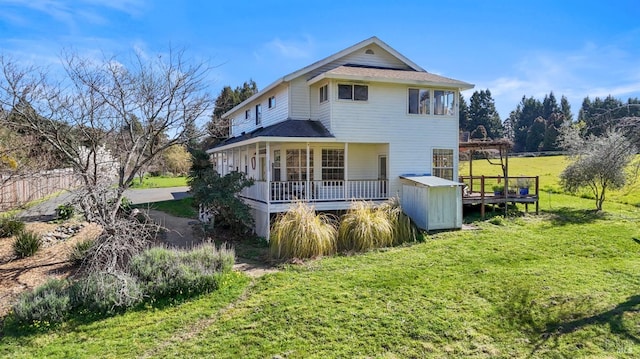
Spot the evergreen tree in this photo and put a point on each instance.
(549, 106)
(553, 125)
(535, 135)
(529, 110)
(463, 115)
(228, 98)
(482, 112)
(565, 108)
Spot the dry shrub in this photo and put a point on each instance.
(364, 227)
(404, 229)
(117, 244)
(301, 233)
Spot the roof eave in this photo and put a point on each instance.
(357, 78)
(270, 139)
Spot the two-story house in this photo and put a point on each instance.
(346, 127)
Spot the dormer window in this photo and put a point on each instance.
(353, 92)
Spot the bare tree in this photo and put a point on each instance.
(599, 163)
(107, 119)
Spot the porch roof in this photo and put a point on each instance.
(287, 128)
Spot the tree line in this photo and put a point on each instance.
(534, 125)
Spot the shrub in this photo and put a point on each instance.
(49, 302)
(10, 227)
(80, 250)
(106, 292)
(65, 211)
(364, 227)
(404, 229)
(497, 220)
(300, 233)
(26, 244)
(164, 272)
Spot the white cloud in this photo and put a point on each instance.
(593, 70)
(292, 49)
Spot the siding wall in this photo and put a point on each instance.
(269, 116)
(384, 119)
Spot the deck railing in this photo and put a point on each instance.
(325, 190)
(494, 186)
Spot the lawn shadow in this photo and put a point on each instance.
(565, 215)
(614, 318)
(544, 321)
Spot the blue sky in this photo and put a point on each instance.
(513, 48)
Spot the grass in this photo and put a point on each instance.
(175, 207)
(549, 169)
(562, 284)
(159, 182)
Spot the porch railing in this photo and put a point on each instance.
(326, 190)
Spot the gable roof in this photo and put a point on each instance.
(287, 128)
(354, 72)
(325, 61)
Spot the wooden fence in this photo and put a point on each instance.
(19, 190)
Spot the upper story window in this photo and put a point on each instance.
(324, 93)
(272, 102)
(353, 92)
(419, 101)
(427, 101)
(443, 102)
(246, 115)
(258, 114)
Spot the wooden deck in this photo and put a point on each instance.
(480, 190)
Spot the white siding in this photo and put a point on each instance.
(384, 119)
(379, 58)
(299, 108)
(362, 162)
(269, 116)
(320, 111)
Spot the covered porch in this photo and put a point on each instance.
(318, 170)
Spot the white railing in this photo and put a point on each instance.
(317, 191)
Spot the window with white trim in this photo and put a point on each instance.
(419, 101)
(324, 93)
(258, 114)
(272, 102)
(442, 165)
(333, 164)
(297, 164)
(353, 92)
(276, 166)
(443, 102)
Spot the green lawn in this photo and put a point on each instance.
(562, 284)
(549, 169)
(175, 207)
(159, 182)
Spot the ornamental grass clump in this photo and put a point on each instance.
(27, 244)
(10, 226)
(403, 229)
(364, 227)
(301, 233)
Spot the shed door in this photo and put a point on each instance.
(442, 208)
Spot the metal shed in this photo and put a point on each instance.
(432, 202)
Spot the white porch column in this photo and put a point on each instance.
(308, 184)
(346, 170)
(256, 160)
(268, 179)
